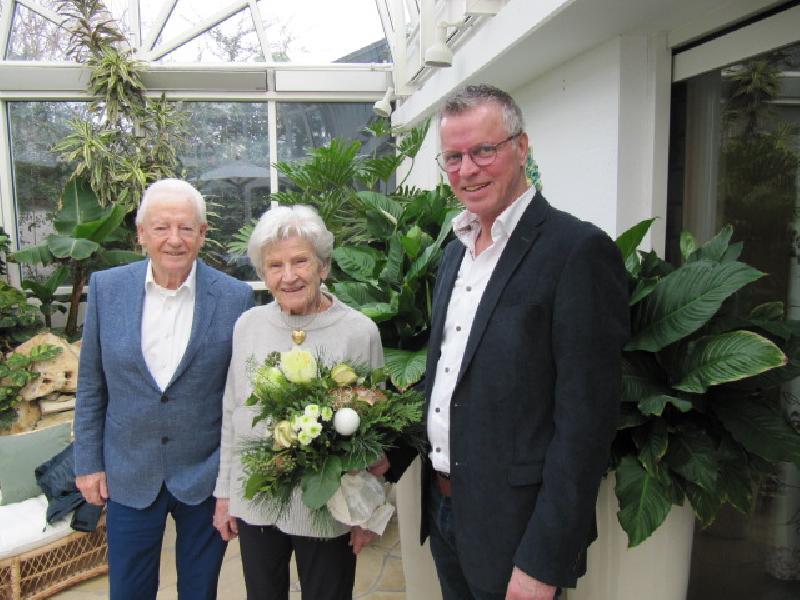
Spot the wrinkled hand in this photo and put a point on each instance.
(522, 586)
(360, 538)
(93, 487)
(223, 521)
(380, 466)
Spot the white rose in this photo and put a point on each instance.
(346, 421)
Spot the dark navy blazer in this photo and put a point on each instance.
(537, 399)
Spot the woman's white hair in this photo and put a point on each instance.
(282, 222)
(178, 189)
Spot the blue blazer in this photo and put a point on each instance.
(124, 424)
(537, 399)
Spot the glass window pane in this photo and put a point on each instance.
(35, 38)
(233, 40)
(227, 159)
(735, 158)
(39, 176)
(306, 125)
(320, 31)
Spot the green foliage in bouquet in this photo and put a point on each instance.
(701, 416)
(321, 423)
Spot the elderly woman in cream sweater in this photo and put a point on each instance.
(291, 250)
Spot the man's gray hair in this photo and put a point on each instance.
(177, 189)
(472, 96)
(283, 222)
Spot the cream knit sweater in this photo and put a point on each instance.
(337, 334)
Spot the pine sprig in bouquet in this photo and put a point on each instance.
(321, 424)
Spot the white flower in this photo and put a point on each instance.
(299, 366)
(304, 438)
(313, 430)
(346, 421)
(312, 410)
(326, 413)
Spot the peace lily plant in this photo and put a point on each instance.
(701, 416)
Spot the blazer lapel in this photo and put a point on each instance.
(205, 303)
(520, 242)
(135, 301)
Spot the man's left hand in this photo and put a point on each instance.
(522, 586)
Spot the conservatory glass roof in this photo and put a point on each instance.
(314, 32)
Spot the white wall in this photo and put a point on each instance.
(571, 114)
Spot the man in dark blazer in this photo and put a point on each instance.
(523, 376)
(154, 357)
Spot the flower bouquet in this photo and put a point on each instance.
(322, 424)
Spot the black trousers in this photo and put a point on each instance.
(326, 567)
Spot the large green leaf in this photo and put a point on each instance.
(693, 456)
(389, 209)
(48, 288)
(644, 500)
(114, 258)
(99, 230)
(705, 503)
(759, 427)
(319, 486)
(405, 367)
(736, 484)
(359, 262)
(63, 246)
(685, 300)
(355, 293)
(768, 311)
(651, 441)
(726, 357)
(34, 255)
(629, 241)
(715, 248)
(379, 311)
(392, 272)
(644, 287)
(78, 205)
(655, 405)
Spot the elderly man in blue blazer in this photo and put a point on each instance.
(154, 357)
(523, 379)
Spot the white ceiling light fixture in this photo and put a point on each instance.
(383, 107)
(439, 53)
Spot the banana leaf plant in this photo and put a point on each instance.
(701, 415)
(82, 228)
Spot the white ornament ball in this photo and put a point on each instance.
(346, 421)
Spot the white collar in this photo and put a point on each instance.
(466, 225)
(188, 283)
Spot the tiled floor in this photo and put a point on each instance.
(379, 574)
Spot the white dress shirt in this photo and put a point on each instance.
(473, 276)
(166, 325)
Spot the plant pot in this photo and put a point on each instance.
(657, 569)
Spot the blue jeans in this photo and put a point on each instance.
(134, 548)
(452, 580)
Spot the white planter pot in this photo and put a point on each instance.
(657, 569)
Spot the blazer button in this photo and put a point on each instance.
(164, 398)
(164, 440)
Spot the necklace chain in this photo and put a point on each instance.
(299, 333)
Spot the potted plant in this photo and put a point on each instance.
(701, 420)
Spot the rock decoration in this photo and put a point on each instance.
(50, 398)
